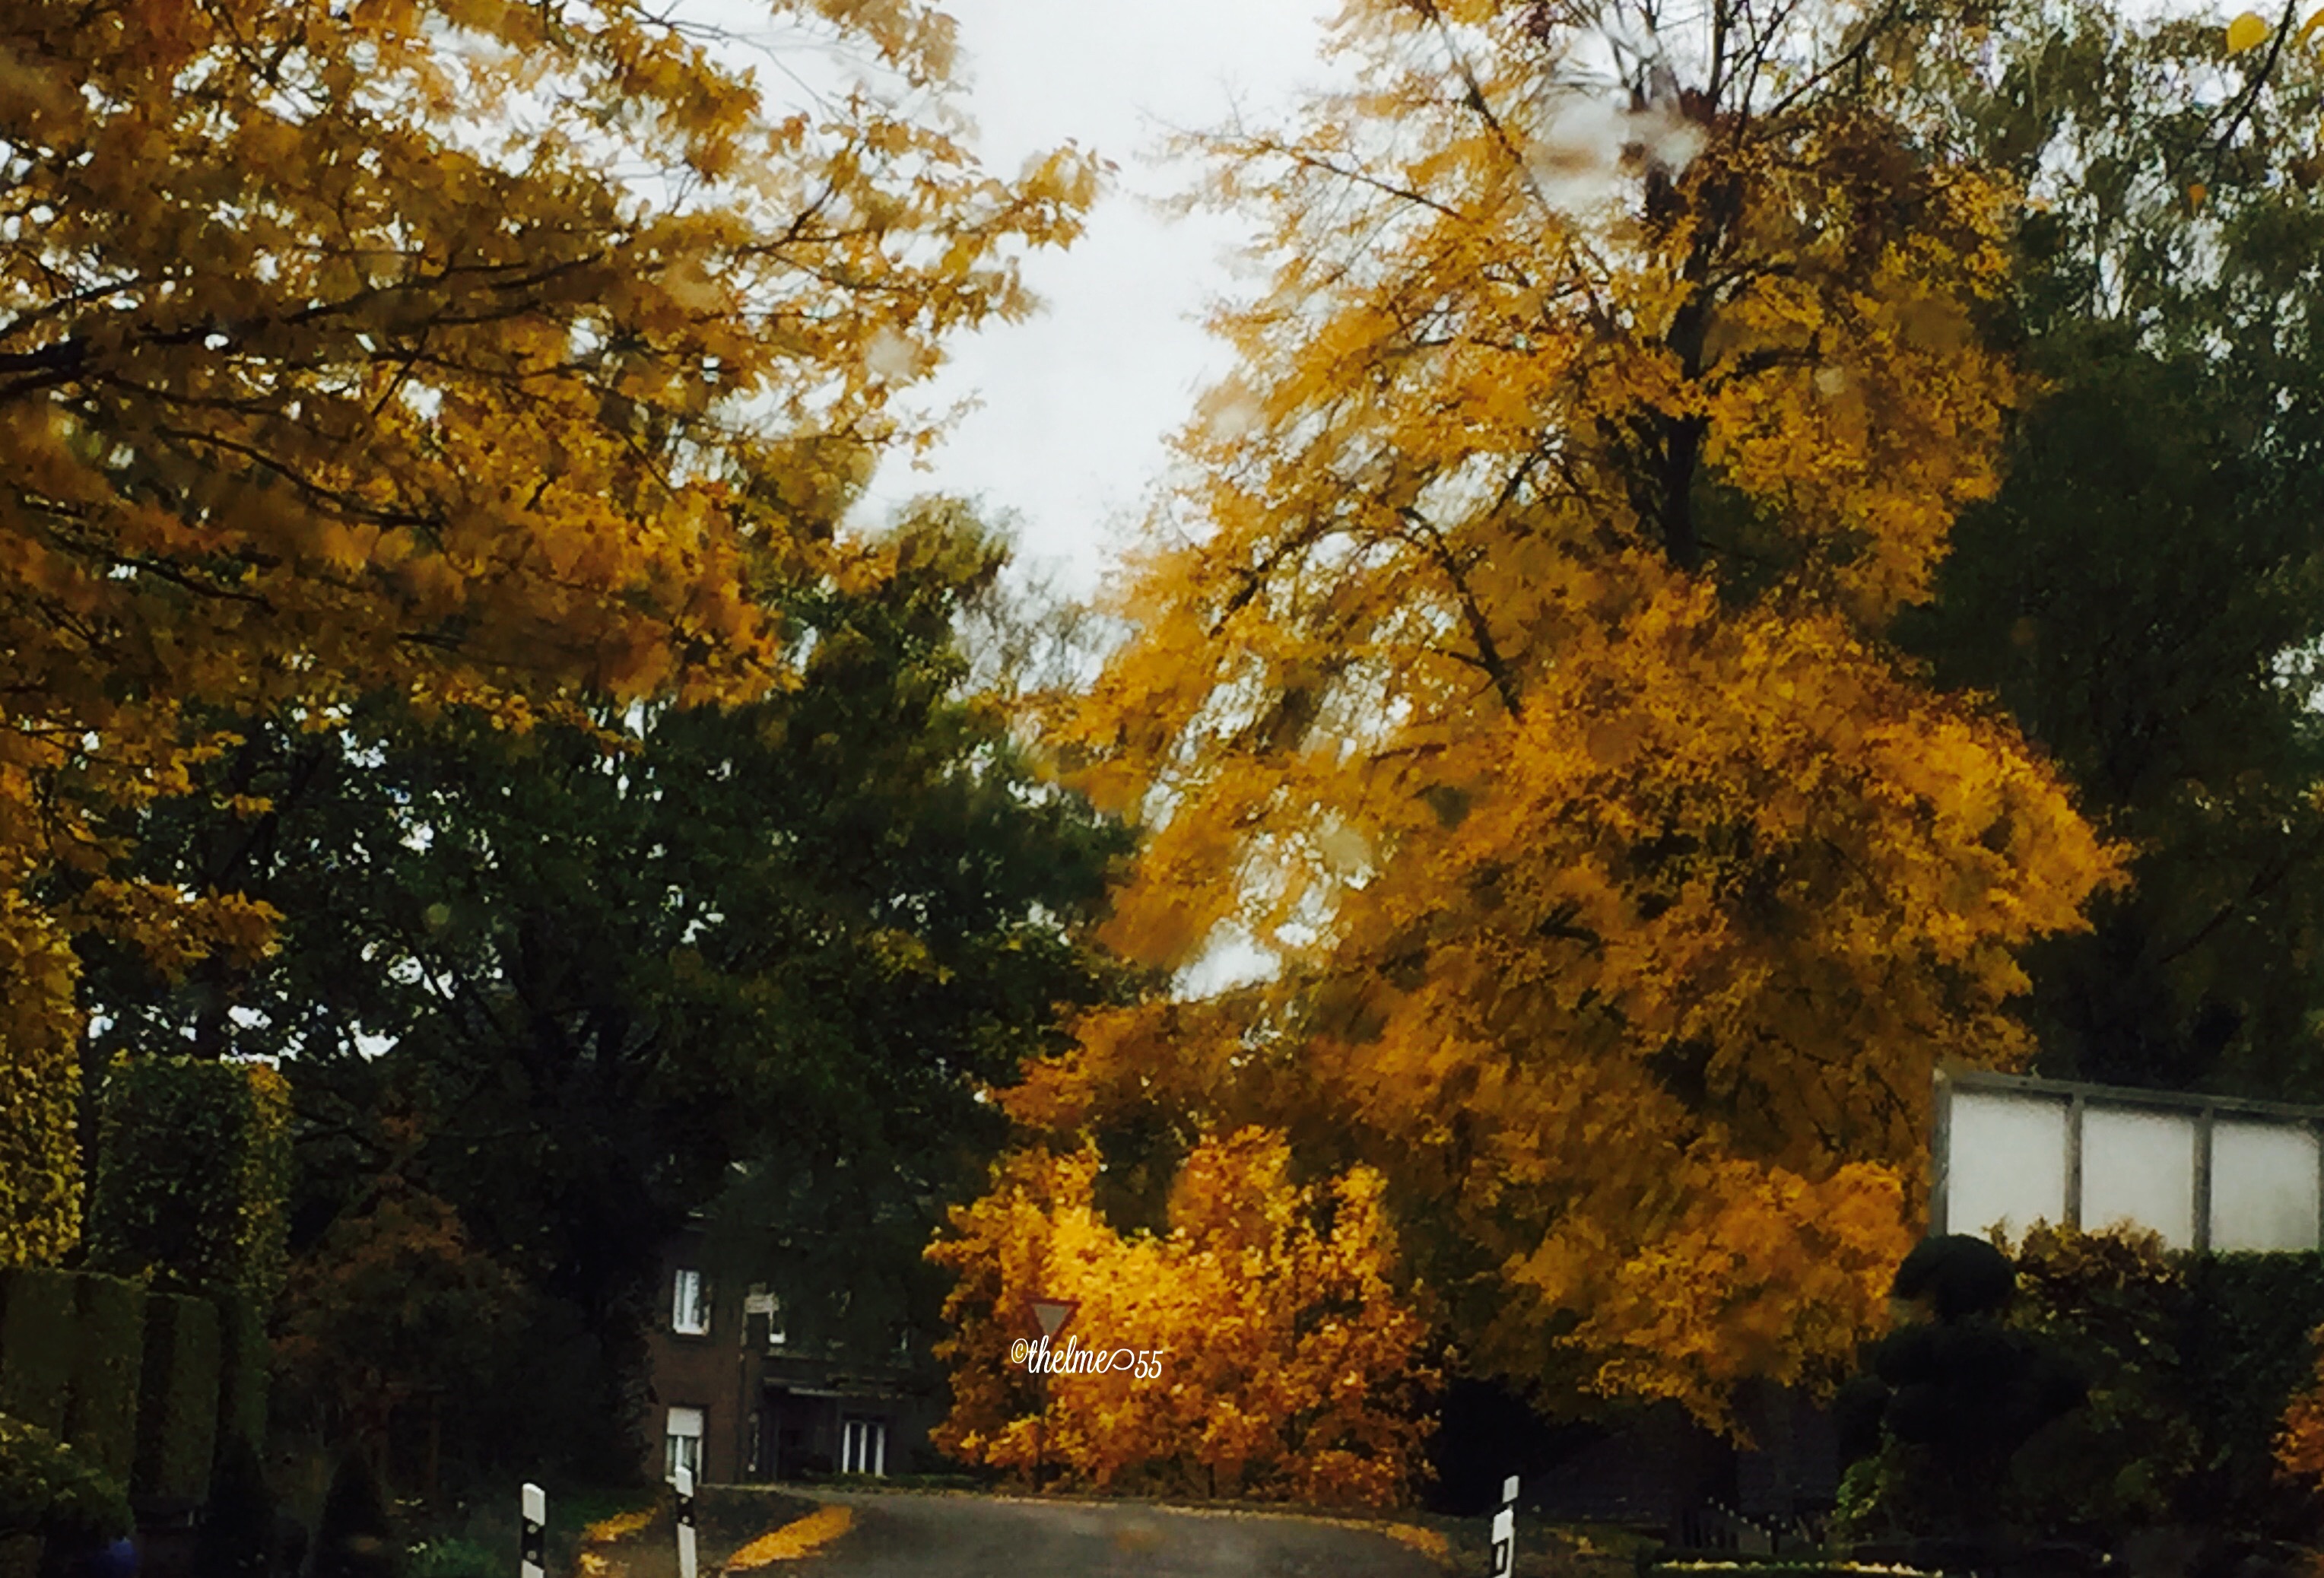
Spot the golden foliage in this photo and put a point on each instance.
(1524, 690)
(1289, 1367)
(2300, 1444)
(473, 350)
(40, 1081)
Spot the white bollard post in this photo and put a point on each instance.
(534, 1508)
(685, 1481)
(1504, 1530)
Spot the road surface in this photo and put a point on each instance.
(902, 1535)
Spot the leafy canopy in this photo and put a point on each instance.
(473, 352)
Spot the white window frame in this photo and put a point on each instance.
(681, 1440)
(689, 1304)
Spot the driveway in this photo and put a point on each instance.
(904, 1535)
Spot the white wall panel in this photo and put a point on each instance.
(2264, 1186)
(2005, 1163)
(2139, 1166)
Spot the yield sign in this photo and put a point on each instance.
(1053, 1313)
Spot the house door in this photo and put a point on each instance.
(801, 1434)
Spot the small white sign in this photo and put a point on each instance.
(1505, 1540)
(1509, 1491)
(534, 1506)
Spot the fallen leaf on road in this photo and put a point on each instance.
(614, 1529)
(1427, 1541)
(796, 1539)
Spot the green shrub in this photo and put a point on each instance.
(2189, 1360)
(2116, 1306)
(2247, 1355)
(177, 1398)
(193, 1167)
(49, 1490)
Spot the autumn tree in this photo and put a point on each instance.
(1516, 671)
(396, 1311)
(1284, 1364)
(473, 353)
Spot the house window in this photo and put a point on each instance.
(681, 1442)
(690, 1312)
(863, 1447)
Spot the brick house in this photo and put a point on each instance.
(734, 1394)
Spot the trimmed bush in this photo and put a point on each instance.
(108, 1362)
(193, 1167)
(238, 1535)
(177, 1399)
(355, 1539)
(244, 1358)
(37, 1336)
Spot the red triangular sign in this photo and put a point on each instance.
(1053, 1314)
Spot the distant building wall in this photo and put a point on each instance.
(722, 1370)
(703, 1374)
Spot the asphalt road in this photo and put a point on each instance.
(907, 1536)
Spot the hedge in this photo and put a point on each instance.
(2244, 1353)
(244, 1357)
(193, 1167)
(71, 1356)
(178, 1399)
(109, 1364)
(39, 1333)
(2190, 1362)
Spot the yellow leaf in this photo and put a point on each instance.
(2246, 32)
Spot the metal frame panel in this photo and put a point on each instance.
(2077, 1098)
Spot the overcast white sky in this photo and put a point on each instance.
(1079, 401)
